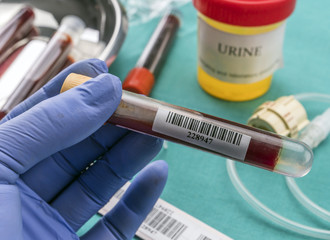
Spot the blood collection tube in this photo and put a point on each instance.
(20, 25)
(17, 65)
(50, 61)
(202, 131)
(142, 77)
(7, 59)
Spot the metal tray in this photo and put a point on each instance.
(106, 16)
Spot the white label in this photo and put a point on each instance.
(166, 222)
(202, 131)
(8, 11)
(16, 72)
(239, 58)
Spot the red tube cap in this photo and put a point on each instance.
(139, 80)
(246, 12)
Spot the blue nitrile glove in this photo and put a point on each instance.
(46, 144)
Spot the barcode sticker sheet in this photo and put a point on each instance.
(201, 131)
(166, 222)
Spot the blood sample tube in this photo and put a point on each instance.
(48, 63)
(209, 133)
(8, 56)
(7, 59)
(16, 28)
(17, 65)
(142, 77)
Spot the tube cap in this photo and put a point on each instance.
(285, 116)
(246, 12)
(139, 80)
(73, 80)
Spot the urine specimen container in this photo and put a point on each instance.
(240, 45)
(209, 133)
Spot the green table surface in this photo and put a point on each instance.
(198, 182)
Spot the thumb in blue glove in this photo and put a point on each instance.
(46, 144)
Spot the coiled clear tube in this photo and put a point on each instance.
(293, 187)
(268, 213)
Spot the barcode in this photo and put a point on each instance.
(203, 237)
(205, 128)
(165, 224)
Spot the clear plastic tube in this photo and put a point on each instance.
(159, 44)
(305, 201)
(268, 213)
(142, 77)
(293, 187)
(209, 133)
(297, 193)
(48, 63)
(25, 55)
(315, 97)
(225, 138)
(16, 28)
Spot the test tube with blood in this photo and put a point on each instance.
(50, 61)
(20, 25)
(142, 77)
(209, 133)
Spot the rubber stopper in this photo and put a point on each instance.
(73, 80)
(139, 80)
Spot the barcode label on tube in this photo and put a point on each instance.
(201, 131)
(166, 222)
(204, 128)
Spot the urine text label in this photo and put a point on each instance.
(239, 58)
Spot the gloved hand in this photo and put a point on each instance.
(59, 163)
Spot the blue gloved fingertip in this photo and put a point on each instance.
(97, 64)
(139, 199)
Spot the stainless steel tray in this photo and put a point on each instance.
(107, 16)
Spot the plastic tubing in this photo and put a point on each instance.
(316, 97)
(293, 187)
(305, 201)
(268, 213)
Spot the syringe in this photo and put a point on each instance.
(209, 133)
